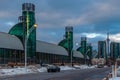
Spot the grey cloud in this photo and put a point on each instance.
(98, 16)
(69, 6)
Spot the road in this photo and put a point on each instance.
(85, 74)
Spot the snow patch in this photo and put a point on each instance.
(84, 66)
(14, 71)
(42, 69)
(66, 68)
(117, 78)
(34, 69)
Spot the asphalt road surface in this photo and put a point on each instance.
(85, 74)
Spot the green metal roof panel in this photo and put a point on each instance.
(17, 30)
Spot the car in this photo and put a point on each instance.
(53, 68)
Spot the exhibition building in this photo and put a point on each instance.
(21, 41)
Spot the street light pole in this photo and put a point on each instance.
(28, 31)
(70, 51)
(26, 37)
(26, 53)
(71, 59)
(86, 55)
(26, 40)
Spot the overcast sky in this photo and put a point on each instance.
(91, 18)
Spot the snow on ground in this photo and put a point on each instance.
(66, 68)
(118, 74)
(118, 71)
(33, 69)
(14, 71)
(42, 69)
(117, 78)
(84, 66)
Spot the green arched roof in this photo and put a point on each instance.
(63, 43)
(17, 30)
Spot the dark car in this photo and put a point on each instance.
(53, 68)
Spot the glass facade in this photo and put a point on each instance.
(114, 50)
(51, 58)
(101, 49)
(9, 55)
(17, 56)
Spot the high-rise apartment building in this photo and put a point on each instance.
(102, 49)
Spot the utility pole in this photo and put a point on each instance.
(26, 41)
(28, 32)
(107, 48)
(86, 55)
(69, 49)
